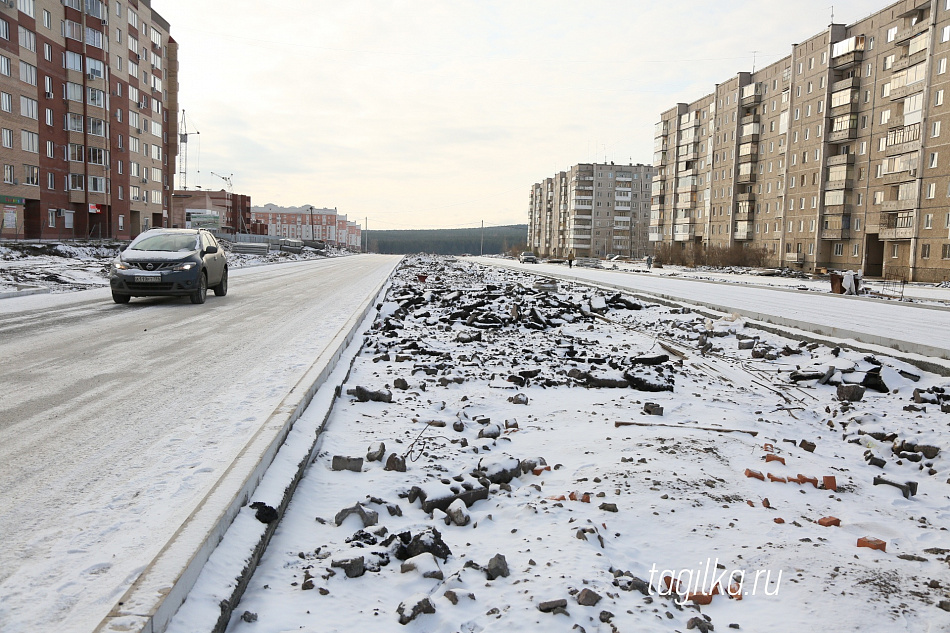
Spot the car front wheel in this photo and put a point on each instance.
(121, 298)
(222, 288)
(199, 295)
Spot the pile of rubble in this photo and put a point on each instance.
(431, 495)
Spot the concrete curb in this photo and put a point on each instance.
(9, 294)
(156, 595)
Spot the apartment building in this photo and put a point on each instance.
(231, 210)
(309, 223)
(592, 210)
(88, 109)
(834, 157)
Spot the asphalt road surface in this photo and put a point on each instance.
(115, 420)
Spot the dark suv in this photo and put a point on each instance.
(170, 262)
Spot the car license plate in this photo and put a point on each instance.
(148, 279)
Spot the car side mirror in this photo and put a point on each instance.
(211, 250)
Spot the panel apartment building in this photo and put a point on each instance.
(837, 156)
(88, 108)
(592, 210)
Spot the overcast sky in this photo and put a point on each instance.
(430, 114)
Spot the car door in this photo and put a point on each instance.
(214, 263)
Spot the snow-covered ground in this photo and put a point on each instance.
(523, 483)
(71, 266)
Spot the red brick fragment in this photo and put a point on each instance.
(873, 543)
(749, 501)
(829, 521)
(802, 479)
(768, 448)
(538, 471)
(779, 520)
(765, 503)
(700, 598)
(755, 474)
(829, 482)
(774, 458)
(772, 477)
(558, 498)
(735, 591)
(671, 583)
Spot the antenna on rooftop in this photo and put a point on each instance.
(832, 7)
(753, 60)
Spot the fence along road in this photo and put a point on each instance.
(115, 421)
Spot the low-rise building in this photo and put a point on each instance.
(308, 223)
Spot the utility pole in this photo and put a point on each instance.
(366, 232)
(481, 249)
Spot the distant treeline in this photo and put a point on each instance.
(497, 240)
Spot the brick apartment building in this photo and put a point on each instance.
(88, 108)
(836, 156)
(232, 210)
(592, 210)
(308, 223)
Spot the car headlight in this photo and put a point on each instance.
(184, 266)
(118, 264)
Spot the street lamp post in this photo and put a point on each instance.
(311, 224)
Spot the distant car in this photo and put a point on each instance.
(170, 262)
(528, 257)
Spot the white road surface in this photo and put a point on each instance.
(115, 420)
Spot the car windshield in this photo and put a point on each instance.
(168, 242)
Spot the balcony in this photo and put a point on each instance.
(744, 216)
(834, 234)
(906, 34)
(750, 95)
(683, 232)
(848, 134)
(749, 138)
(745, 197)
(840, 159)
(844, 84)
(743, 235)
(750, 118)
(685, 204)
(840, 184)
(749, 158)
(843, 62)
(899, 176)
(896, 226)
(890, 206)
(746, 178)
(909, 89)
(901, 63)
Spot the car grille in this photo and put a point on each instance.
(149, 287)
(155, 265)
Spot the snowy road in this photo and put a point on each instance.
(115, 420)
(907, 327)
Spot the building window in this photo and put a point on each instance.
(51, 218)
(839, 249)
(121, 222)
(929, 221)
(933, 160)
(925, 251)
(32, 175)
(8, 140)
(938, 98)
(941, 65)
(30, 141)
(891, 34)
(51, 181)
(931, 190)
(895, 251)
(8, 174)
(945, 251)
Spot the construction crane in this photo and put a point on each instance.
(230, 190)
(183, 135)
